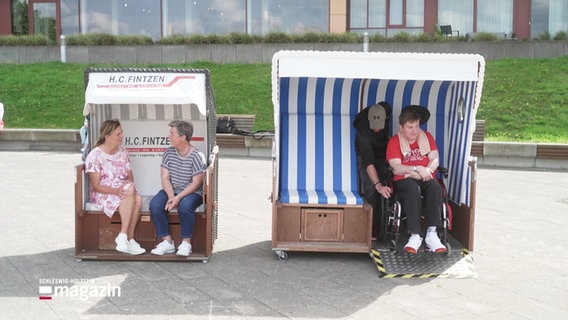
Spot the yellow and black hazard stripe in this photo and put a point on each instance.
(384, 274)
(380, 266)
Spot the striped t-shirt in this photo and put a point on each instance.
(183, 169)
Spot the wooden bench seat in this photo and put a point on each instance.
(552, 151)
(242, 121)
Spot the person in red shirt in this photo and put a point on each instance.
(413, 156)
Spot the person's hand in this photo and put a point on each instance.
(384, 191)
(123, 190)
(172, 203)
(425, 173)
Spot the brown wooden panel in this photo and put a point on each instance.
(89, 225)
(463, 225)
(322, 224)
(288, 223)
(145, 233)
(108, 230)
(357, 224)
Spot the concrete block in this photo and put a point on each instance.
(223, 53)
(507, 162)
(509, 149)
(381, 47)
(149, 54)
(250, 53)
(551, 164)
(239, 152)
(16, 135)
(124, 54)
(408, 47)
(38, 54)
(269, 49)
(173, 54)
(260, 153)
(257, 142)
(518, 49)
(548, 49)
(8, 54)
(338, 47)
(101, 54)
(76, 54)
(490, 50)
(198, 53)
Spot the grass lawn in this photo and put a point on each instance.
(522, 100)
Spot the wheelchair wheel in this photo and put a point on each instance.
(394, 223)
(383, 218)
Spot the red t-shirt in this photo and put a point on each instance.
(414, 158)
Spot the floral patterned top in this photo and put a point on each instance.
(113, 169)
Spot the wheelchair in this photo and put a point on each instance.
(392, 221)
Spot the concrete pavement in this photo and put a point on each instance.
(520, 256)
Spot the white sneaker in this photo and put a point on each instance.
(121, 243)
(184, 249)
(433, 243)
(163, 247)
(413, 244)
(135, 248)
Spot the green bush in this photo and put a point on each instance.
(560, 35)
(402, 37)
(485, 36)
(543, 36)
(133, 40)
(277, 37)
(11, 40)
(105, 39)
(377, 37)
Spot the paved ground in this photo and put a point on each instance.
(520, 256)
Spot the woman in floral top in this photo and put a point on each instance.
(112, 184)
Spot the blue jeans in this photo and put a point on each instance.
(186, 211)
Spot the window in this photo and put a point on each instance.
(458, 14)
(290, 16)
(20, 19)
(203, 17)
(495, 16)
(395, 12)
(44, 20)
(539, 17)
(371, 16)
(69, 17)
(121, 17)
(558, 17)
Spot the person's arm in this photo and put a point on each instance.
(400, 169)
(195, 184)
(166, 183)
(385, 191)
(95, 179)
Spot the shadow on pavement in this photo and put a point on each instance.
(248, 281)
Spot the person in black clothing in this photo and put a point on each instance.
(371, 140)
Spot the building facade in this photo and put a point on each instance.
(157, 19)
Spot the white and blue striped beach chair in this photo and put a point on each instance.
(316, 96)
